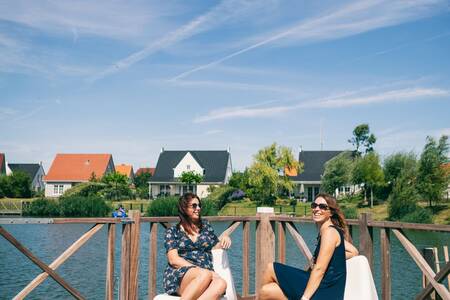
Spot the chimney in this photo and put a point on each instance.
(162, 149)
(228, 149)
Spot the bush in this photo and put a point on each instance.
(350, 212)
(420, 215)
(163, 207)
(78, 206)
(403, 199)
(85, 189)
(209, 208)
(42, 208)
(351, 198)
(221, 195)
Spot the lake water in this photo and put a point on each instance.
(86, 269)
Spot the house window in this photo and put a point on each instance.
(189, 188)
(188, 167)
(164, 190)
(347, 189)
(55, 189)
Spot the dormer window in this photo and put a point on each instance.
(188, 167)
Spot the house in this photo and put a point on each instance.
(67, 170)
(126, 170)
(2, 164)
(214, 166)
(35, 171)
(145, 170)
(307, 183)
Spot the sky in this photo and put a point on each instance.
(132, 77)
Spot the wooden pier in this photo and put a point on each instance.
(265, 238)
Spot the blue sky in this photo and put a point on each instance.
(131, 77)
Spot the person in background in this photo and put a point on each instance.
(326, 279)
(189, 272)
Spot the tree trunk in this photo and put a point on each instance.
(365, 195)
(371, 197)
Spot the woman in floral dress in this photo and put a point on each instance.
(189, 272)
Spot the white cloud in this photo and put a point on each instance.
(356, 18)
(6, 112)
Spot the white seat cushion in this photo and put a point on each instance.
(221, 267)
(359, 284)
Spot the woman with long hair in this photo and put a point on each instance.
(189, 272)
(326, 279)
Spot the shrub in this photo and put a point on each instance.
(420, 215)
(163, 207)
(221, 195)
(42, 208)
(351, 198)
(78, 206)
(350, 212)
(209, 208)
(403, 199)
(85, 189)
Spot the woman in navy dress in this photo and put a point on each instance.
(326, 279)
(189, 272)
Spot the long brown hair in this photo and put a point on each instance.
(185, 220)
(337, 216)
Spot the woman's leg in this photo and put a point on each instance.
(269, 275)
(194, 283)
(216, 288)
(271, 291)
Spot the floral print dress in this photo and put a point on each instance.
(197, 253)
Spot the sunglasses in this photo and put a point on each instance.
(195, 206)
(322, 206)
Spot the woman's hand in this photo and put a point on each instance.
(225, 242)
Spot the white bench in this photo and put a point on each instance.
(359, 284)
(221, 267)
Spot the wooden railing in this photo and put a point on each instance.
(266, 226)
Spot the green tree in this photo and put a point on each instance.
(403, 198)
(191, 178)
(432, 178)
(18, 185)
(142, 186)
(240, 180)
(397, 165)
(362, 139)
(338, 172)
(267, 173)
(368, 171)
(117, 186)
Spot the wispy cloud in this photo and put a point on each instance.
(6, 112)
(224, 11)
(409, 94)
(356, 18)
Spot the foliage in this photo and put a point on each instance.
(240, 180)
(117, 187)
(349, 212)
(86, 189)
(362, 139)
(403, 198)
(367, 171)
(267, 175)
(168, 206)
(79, 206)
(394, 166)
(16, 185)
(143, 192)
(338, 172)
(142, 186)
(351, 198)
(42, 208)
(221, 195)
(191, 177)
(419, 215)
(432, 179)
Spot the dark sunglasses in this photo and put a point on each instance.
(322, 206)
(195, 206)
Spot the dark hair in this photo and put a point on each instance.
(185, 220)
(337, 217)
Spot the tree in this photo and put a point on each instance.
(367, 171)
(191, 178)
(403, 198)
(117, 186)
(338, 172)
(362, 138)
(142, 186)
(432, 178)
(396, 165)
(16, 185)
(240, 180)
(267, 174)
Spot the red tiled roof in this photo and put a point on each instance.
(145, 170)
(78, 167)
(126, 170)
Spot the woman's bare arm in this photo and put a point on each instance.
(350, 250)
(329, 240)
(224, 243)
(176, 261)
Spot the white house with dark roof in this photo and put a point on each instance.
(214, 166)
(35, 171)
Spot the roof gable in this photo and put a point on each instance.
(30, 169)
(186, 164)
(214, 164)
(126, 170)
(313, 164)
(145, 170)
(79, 167)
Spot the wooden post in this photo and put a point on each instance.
(281, 242)
(134, 253)
(446, 261)
(385, 264)
(125, 262)
(110, 262)
(428, 255)
(265, 246)
(245, 258)
(152, 261)
(366, 238)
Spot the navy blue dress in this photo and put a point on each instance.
(292, 281)
(198, 253)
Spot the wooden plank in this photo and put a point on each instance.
(436, 259)
(59, 261)
(125, 262)
(422, 264)
(245, 258)
(265, 247)
(230, 229)
(366, 238)
(415, 226)
(135, 233)
(110, 262)
(87, 220)
(281, 242)
(39, 263)
(153, 247)
(386, 287)
(446, 261)
(6, 221)
(300, 242)
(175, 219)
(439, 277)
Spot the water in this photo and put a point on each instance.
(86, 269)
